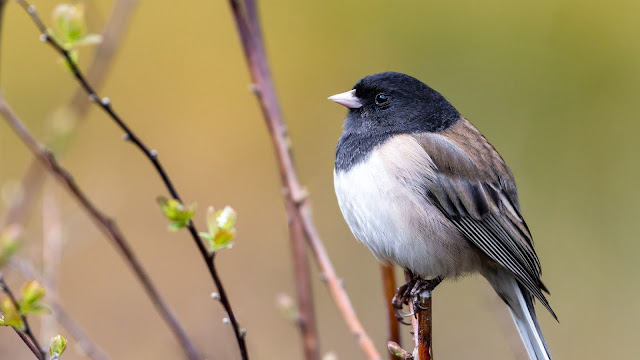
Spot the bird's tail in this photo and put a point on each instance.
(521, 308)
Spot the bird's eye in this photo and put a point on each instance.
(381, 99)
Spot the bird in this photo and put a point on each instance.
(422, 188)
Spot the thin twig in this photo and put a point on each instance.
(40, 353)
(81, 338)
(112, 34)
(296, 199)
(28, 342)
(152, 156)
(104, 223)
(389, 289)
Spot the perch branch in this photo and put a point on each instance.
(105, 224)
(421, 324)
(389, 289)
(296, 199)
(152, 156)
(37, 350)
(425, 350)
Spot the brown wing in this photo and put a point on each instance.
(475, 189)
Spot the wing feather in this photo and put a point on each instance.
(474, 188)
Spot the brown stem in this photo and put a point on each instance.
(296, 199)
(425, 351)
(421, 323)
(152, 156)
(306, 321)
(27, 341)
(389, 288)
(37, 350)
(59, 313)
(248, 26)
(105, 224)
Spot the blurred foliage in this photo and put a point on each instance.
(9, 243)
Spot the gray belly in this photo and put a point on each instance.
(382, 205)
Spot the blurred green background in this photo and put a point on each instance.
(554, 85)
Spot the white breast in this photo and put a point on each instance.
(383, 200)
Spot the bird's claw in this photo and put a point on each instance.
(411, 292)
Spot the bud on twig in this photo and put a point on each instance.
(57, 346)
(398, 351)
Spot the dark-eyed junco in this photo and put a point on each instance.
(422, 188)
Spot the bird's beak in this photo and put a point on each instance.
(347, 99)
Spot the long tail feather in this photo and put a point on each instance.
(521, 308)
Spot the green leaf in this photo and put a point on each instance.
(176, 212)
(32, 291)
(221, 226)
(58, 345)
(226, 218)
(69, 22)
(11, 316)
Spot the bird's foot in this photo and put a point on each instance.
(411, 292)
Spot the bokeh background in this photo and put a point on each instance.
(554, 85)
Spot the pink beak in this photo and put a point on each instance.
(347, 99)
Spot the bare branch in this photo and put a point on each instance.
(34, 349)
(421, 323)
(423, 336)
(105, 224)
(389, 287)
(296, 199)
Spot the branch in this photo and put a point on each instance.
(249, 29)
(389, 287)
(105, 224)
(152, 156)
(296, 199)
(37, 350)
(33, 179)
(29, 343)
(423, 336)
(60, 314)
(421, 324)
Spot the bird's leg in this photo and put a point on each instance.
(420, 286)
(402, 296)
(411, 292)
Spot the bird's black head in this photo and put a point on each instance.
(395, 103)
(387, 104)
